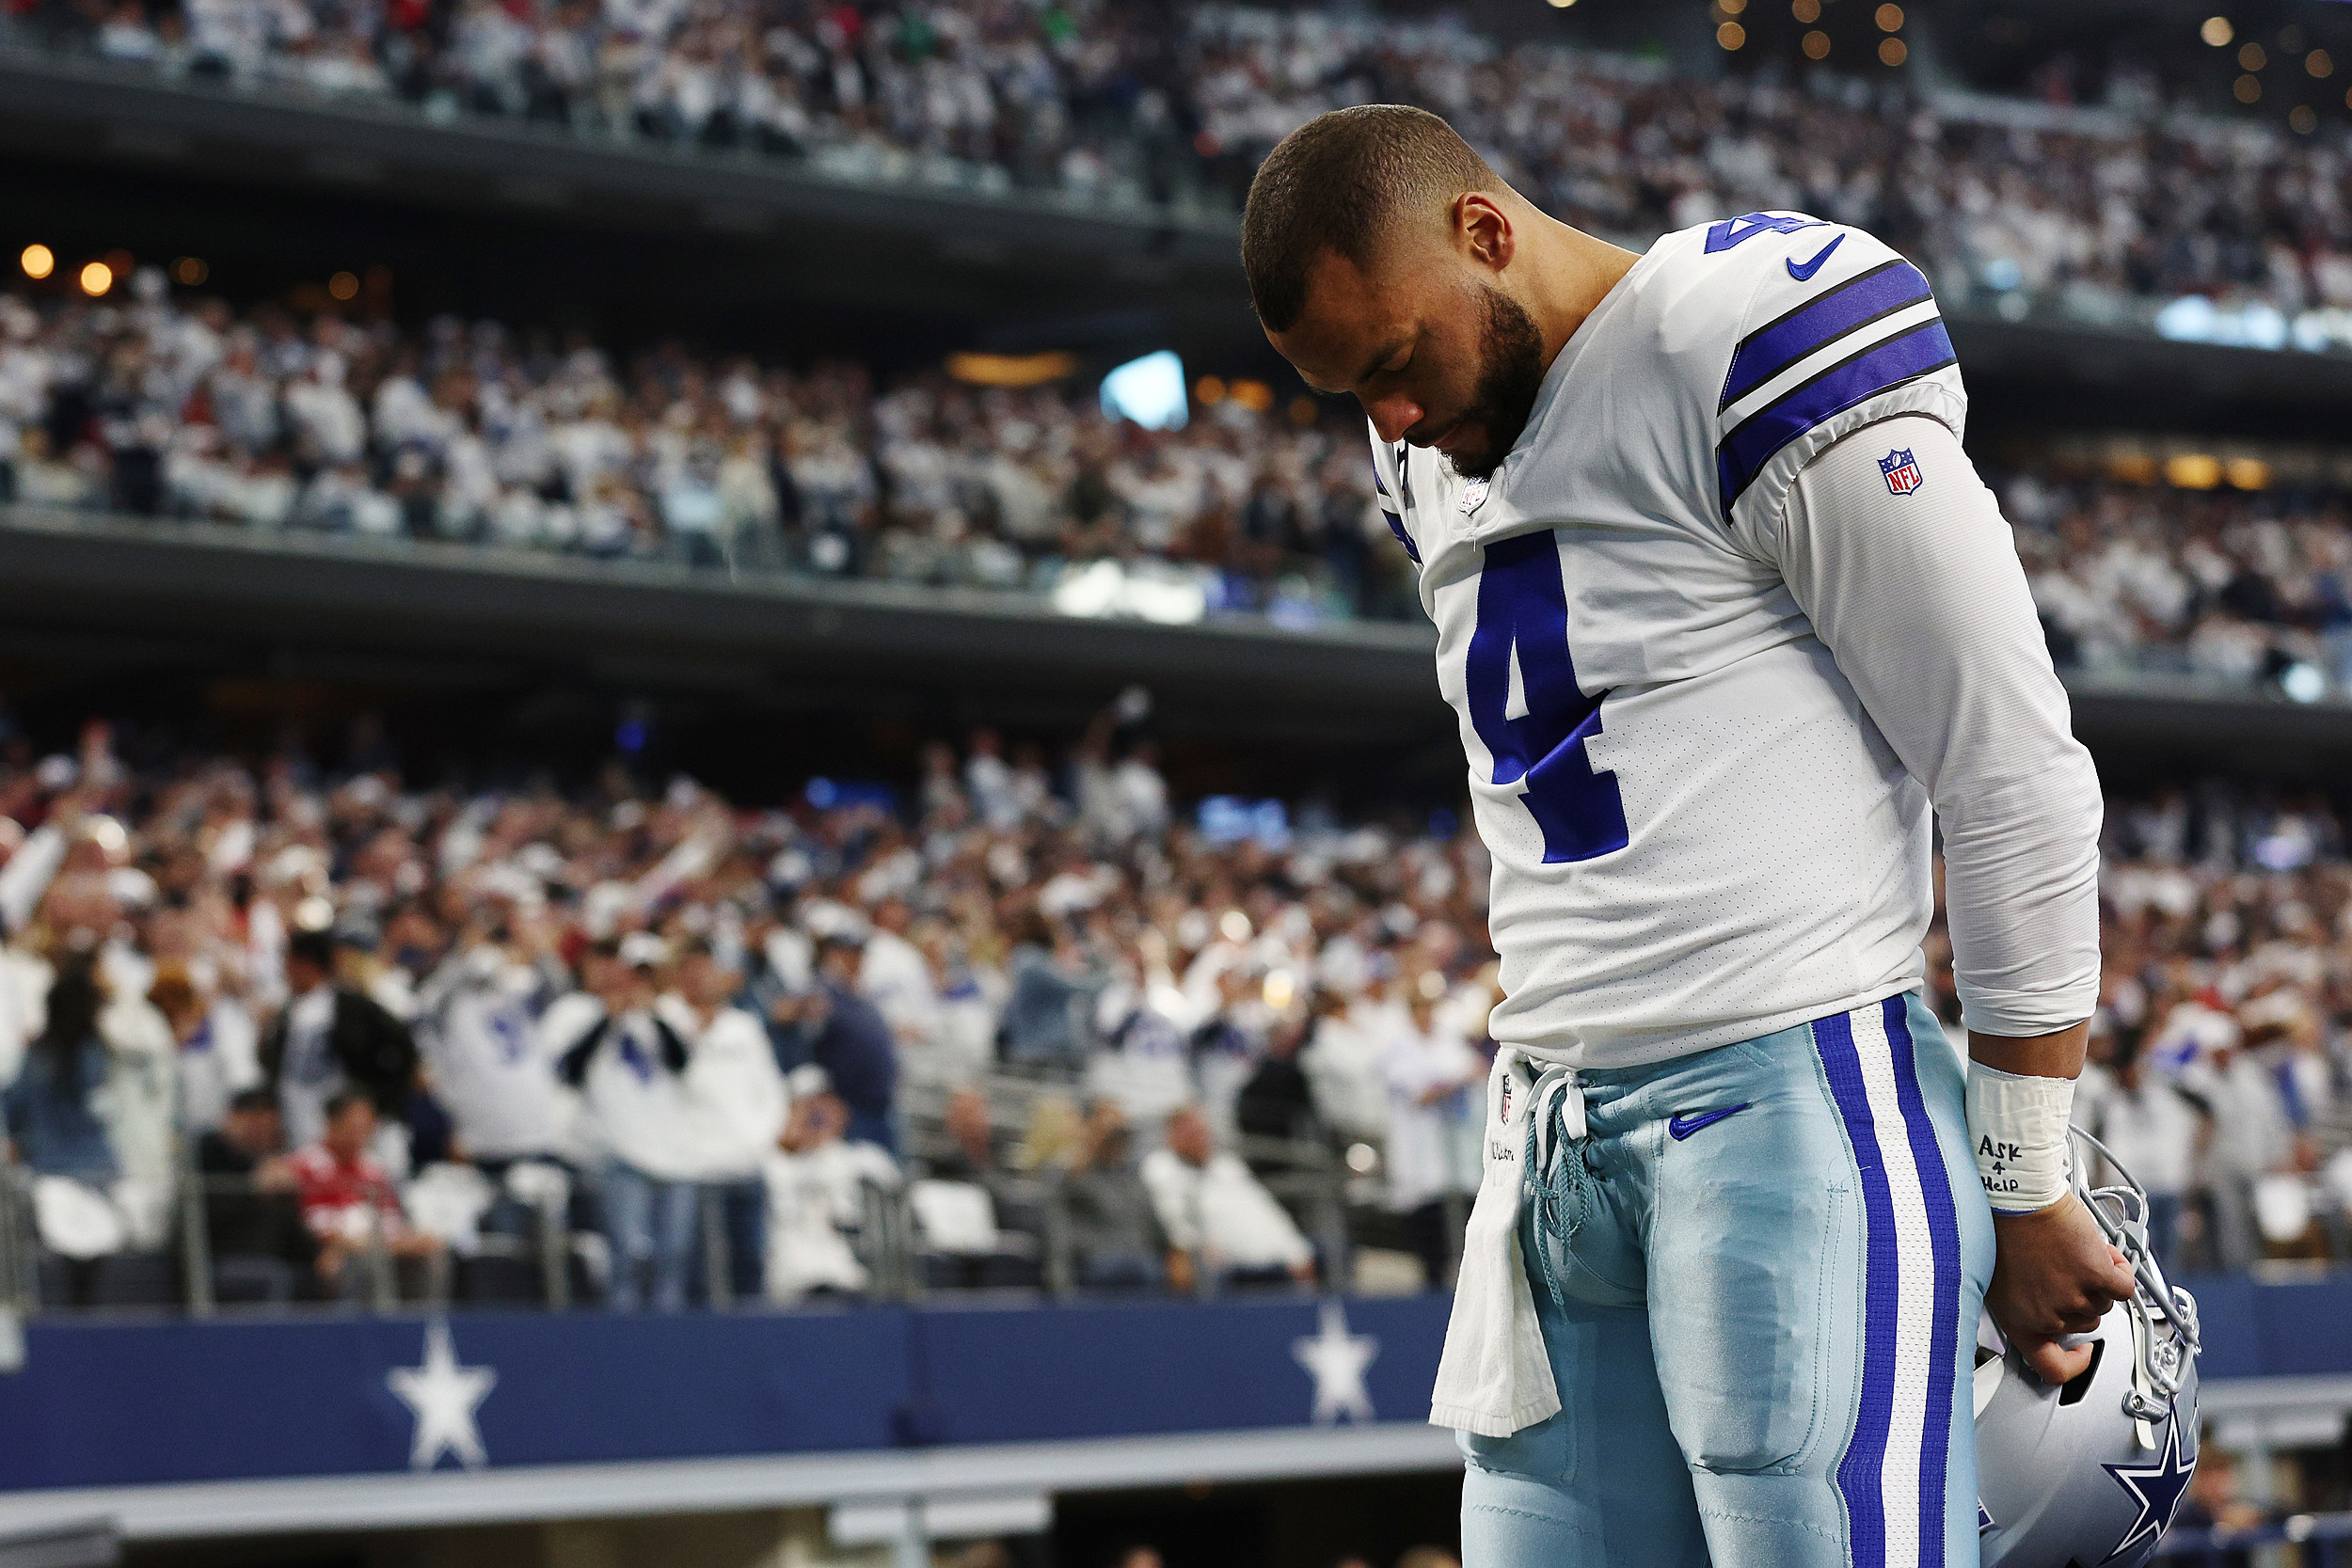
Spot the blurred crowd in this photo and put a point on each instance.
(1124, 105)
(2230, 587)
(1029, 1015)
(163, 406)
(2220, 1062)
(2002, 208)
(356, 1035)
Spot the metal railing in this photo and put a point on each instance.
(533, 1247)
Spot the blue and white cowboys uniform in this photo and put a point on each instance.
(1732, 619)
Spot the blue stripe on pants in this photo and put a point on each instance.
(1935, 1192)
(1860, 1473)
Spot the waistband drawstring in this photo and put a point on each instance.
(1563, 1197)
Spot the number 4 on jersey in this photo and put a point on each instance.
(1523, 618)
(1729, 233)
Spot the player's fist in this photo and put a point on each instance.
(2053, 1275)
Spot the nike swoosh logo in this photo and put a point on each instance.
(1805, 274)
(1680, 1128)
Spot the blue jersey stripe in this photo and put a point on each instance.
(1922, 351)
(1860, 1471)
(1820, 322)
(1936, 1193)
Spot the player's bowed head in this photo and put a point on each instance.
(1388, 261)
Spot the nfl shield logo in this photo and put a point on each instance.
(1902, 474)
(1473, 495)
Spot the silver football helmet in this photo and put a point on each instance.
(2088, 1475)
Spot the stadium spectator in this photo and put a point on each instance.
(54, 1122)
(2250, 1139)
(976, 1227)
(1044, 1022)
(350, 1205)
(259, 1246)
(2154, 1129)
(216, 1050)
(477, 1039)
(629, 1066)
(330, 1036)
(1277, 1101)
(1223, 1227)
(1436, 1135)
(1116, 1239)
(970, 1154)
(816, 1194)
(733, 1081)
(833, 1028)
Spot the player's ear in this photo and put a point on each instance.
(1483, 229)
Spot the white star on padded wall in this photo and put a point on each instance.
(443, 1397)
(1336, 1359)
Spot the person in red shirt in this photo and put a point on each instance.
(349, 1200)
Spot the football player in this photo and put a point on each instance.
(1729, 619)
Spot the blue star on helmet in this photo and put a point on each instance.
(2155, 1488)
(1984, 1518)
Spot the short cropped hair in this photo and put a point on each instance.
(1340, 182)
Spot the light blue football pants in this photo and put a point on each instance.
(1758, 1274)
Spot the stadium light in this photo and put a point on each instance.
(1731, 35)
(2302, 683)
(1807, 11)
(190, 271)
(2320, 63)
(1890, 18)
(1011, 370)
(2192, 470)
(1148, 391)
(96, 278)
(343, 286)
(2253, 56)
(38, 261)
(2218, 31)
(1817, 45)
(2247, 90)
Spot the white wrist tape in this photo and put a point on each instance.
(2018, 1129)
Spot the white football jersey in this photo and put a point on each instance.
(1698, 833)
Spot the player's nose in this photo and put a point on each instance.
(1394, 416)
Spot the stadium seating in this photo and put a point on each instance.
(2106, 216)
(998, 1005)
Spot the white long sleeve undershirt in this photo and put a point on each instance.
(1924, 604)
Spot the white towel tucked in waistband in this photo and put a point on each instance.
(1495, 1377)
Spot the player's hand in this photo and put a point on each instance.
(2054, 1273)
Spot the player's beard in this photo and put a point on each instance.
(1511, 373)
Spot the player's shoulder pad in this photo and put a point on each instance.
(1823, 328)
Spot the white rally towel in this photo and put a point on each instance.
(1495, 1377)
